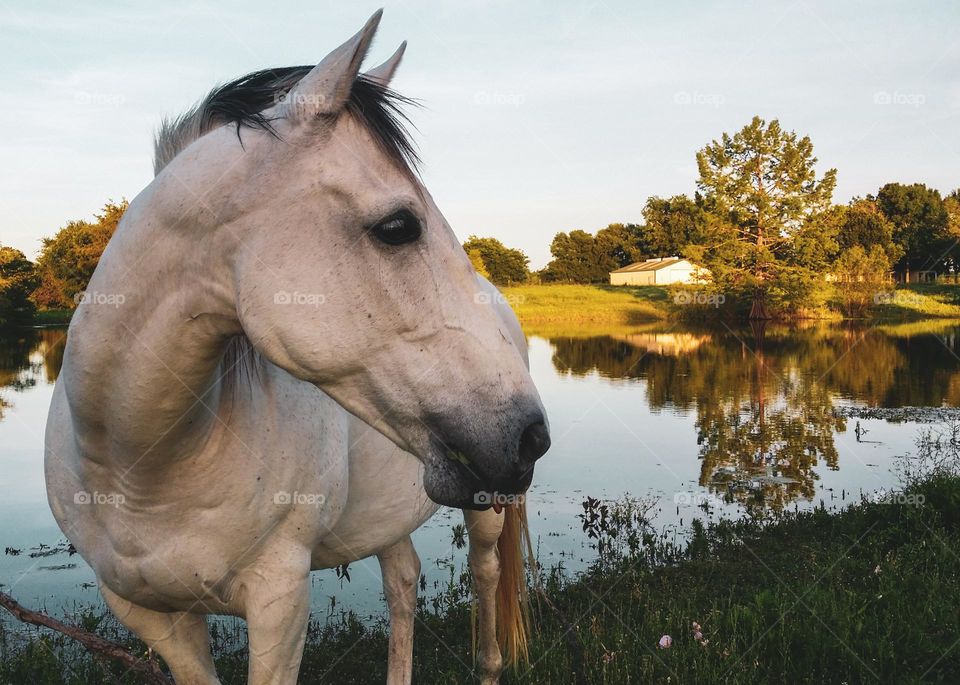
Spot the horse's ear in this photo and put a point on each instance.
(326, 88)
(384, 73)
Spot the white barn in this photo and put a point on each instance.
(657, 271)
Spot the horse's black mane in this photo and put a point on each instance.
(242, 102)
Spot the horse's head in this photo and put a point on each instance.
(348, 276)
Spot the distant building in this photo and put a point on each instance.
(657, 271)
(915, 276)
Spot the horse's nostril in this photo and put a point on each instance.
(534, 442)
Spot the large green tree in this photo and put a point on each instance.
(673, 224)
(620, 244)
(68, 259)
(921, 224)
(18, 278)
(863, 224)
(952, 204)
(761, 189)
(504, 265)
(575, 259)
(579, 257)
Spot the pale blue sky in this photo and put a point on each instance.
(538, 116)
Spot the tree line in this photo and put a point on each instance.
(762, 227)
(62, 270)
(760, 224)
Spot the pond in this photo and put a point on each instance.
(709, 422)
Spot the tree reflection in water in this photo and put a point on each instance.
(27, 357)
(764, 396)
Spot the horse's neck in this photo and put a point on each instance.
(139, 368)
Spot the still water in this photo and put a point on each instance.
(709, 422)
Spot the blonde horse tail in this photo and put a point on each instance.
(513, 610)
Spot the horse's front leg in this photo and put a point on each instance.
(277, 606)
(484, 528)
(400, 567)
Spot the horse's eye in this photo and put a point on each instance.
(397, 229)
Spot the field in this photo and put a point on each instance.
(625, 305)
(922, 300)
(588, 303)
(870, 594)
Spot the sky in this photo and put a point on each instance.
(536, 117)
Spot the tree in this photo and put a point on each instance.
(619, 245)
(952, 204)
(18, 278)
(477, 260)
(504, 265)
(861, 275)
(574, 259)
(920, 220)
(68, 259)
(862, 223)
(579, 257)
(673, 224)
(760, 186)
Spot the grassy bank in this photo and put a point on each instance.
(627, 306)
(919, 301)
(621, 305)
(870, 594)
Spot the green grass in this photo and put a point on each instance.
(870, 594)
(53, 316)
(616, 305)
(922, 300)
(552, 305)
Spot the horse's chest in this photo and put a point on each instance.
(300, 460)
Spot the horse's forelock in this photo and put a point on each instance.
(242, 102)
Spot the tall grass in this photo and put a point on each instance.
(869, 594)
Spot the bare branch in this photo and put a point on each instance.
(96, 645)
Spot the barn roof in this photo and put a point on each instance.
(649, 265)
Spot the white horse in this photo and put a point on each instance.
(284, 274)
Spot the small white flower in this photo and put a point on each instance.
(665, 642)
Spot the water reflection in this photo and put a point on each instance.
(755, 406)
(762, 399)
(28, 356)
(764, 396)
